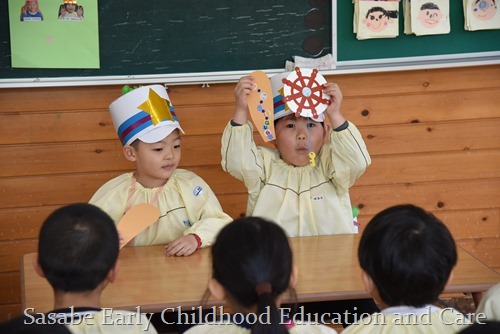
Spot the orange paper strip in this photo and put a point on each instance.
(136, 220)
(260, 105)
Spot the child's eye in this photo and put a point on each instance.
(177, 146)
(290, 125)
(157, 149)
(311, 125)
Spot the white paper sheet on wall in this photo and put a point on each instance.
(481, 14)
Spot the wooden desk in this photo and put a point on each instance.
(328, 270)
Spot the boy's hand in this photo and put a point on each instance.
(183, 246)
(241, 92)
(333, 110)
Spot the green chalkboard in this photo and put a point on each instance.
(199, 40)
(138, 37)
(458, 41)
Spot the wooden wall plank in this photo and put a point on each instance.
(205, 150)
(429, 167)
(60, 98)
(25, 128)
(9, 311)
(11, 287)
(84, 125)
(422, 108)
(432, 137)
(11, 253)
(425, 81)
(436, 196)
(463, 224)
(53, 190)
(24, 223)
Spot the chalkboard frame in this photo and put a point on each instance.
(207, 78)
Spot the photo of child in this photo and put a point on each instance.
(30, 11)
(71, 11)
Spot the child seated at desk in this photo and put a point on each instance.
(252, 267)
(78, 255)
(190, 214)
(407, 256)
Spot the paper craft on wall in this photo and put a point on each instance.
(481, 14)
(54, 34)
(427, 17)
(376, 19)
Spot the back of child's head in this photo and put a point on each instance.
(486, 327)
(253, 261)
(78, 246)
(409, 255)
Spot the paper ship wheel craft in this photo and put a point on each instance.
(304, 92)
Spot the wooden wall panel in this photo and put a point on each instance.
(433, 136)
(23, 223)
(422, 108)
(466, 194)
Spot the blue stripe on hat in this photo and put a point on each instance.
(134, 125)
(279, 104)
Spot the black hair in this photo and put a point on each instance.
(487, 327)
(252, 252)
(78, 246)
(409, 255)
(429, 5)
(389, 13)
(491, 0)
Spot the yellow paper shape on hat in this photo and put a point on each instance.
(136, 220)
(261, 107)
(157, 107)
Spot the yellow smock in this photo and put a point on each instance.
(186, 202)
(307, 200)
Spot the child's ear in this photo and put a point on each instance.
(36, 265)
(216, 289)
(129, 153)
(371, 288)
(368, 283)
(113, 273)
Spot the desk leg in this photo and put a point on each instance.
(477, 296)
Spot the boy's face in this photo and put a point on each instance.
(155, 163)
(430, 17)
(296, 137)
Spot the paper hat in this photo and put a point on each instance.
(70, 2)
(144, 113)
(280, 107)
